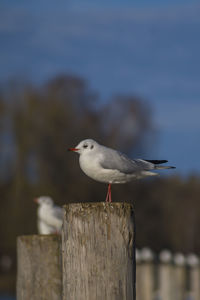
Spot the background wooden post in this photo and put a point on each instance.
(39, 267)
(179, 277)
(193, 276)
(98, 251)
(145, 275)
(138, 273)
(165, 273)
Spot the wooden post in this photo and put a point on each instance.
(145, 275)
(98, 251)
(165, 275)
(193, 276)
(39, 267)
(138, 273)
(179, 277)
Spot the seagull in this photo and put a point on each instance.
(50, 216)
(110, 166)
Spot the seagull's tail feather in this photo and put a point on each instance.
(158, 162)
(164, 167)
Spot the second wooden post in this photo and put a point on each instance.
(98, 251)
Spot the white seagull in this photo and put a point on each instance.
(50, 216)
(110, 166)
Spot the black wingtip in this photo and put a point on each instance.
(156, 162)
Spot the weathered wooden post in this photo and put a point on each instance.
(138, 273)
(98, 251)
(165, 275)
(193, 276)
(179, 277)
(145, 275)
(39, 274)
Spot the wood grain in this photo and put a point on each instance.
(39, 274)
(98, 251)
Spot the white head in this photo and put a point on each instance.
(85, 146)
(44, 200)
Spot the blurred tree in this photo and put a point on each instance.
(127, 121)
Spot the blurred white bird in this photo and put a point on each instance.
(111, 166)
(49, 216)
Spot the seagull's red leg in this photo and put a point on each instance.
(108, 196)
(109, 190)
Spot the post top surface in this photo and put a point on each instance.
(98, 204)
(95, 207)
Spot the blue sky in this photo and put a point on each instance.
(147, 48)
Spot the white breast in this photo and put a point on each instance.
(43, 228)
(47, 221)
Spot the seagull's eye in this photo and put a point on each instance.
(85, 146)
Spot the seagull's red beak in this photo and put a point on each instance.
(35, 200)
(73, 149)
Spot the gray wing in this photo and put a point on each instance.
(56, 217)
(58, 212)
(112, 159)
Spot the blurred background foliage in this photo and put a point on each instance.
(39, 123)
